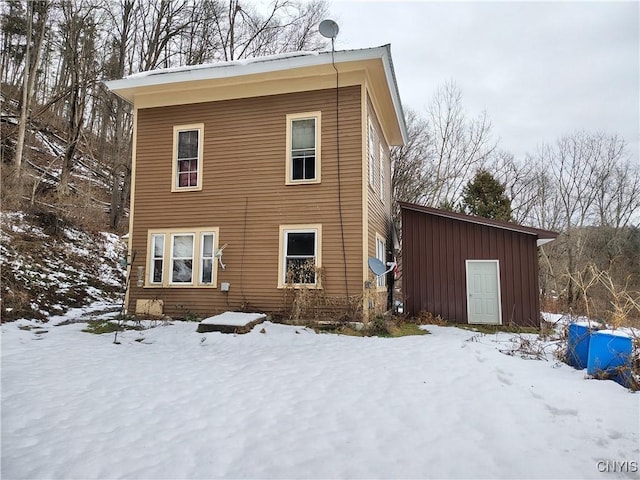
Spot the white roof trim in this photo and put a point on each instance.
(543, 241)
(272, 63)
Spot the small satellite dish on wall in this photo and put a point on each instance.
(328, 28)
(377, 267)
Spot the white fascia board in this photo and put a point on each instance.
(264, 65)
(240, 68)
(393, 90)
(543, 241)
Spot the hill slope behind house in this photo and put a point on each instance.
(56, 252)
(49, 265)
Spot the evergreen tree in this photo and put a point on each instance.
(485, 197)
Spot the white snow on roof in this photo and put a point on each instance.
(234, 319)
(271, 63)
(232, 63)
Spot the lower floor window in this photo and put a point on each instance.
(157, 258)
(299, 261)
(382, 256)
(182, 258)
(206, 258)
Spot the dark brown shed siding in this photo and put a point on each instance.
(434, 251)
(245, 196)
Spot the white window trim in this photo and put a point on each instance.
(371, 152)
(152, 257)
(317, 116)
(172, 258)
(381, 281)
(174, 164)
(202, 258)
(284, 229)
(167, 267)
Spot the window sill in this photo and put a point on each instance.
(300, 286)
(181, 286)
(302, 182)
(186, 189)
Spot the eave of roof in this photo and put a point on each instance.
(259, 65)
(542, 236)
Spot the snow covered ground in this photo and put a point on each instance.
(289, 403)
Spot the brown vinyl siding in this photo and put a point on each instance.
(434, 251)
(379, 213)
(245, 196)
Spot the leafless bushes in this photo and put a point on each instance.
(615, 300)
(305, 301)
(427, 318)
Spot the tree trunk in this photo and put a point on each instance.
(24, 108)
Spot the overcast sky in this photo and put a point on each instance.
(539, 69)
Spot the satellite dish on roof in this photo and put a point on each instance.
(328, 28)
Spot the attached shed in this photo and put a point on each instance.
(470, 269)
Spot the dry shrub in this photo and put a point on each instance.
(427, 318)
(13, 189)
(551, 304)
(303, 305)
(606, 296)
(533, 348)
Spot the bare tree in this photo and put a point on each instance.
(31, 63)
(198, 41)
(444, 151)
(243, 30)
(616, 184)
(546, 211)
(459, 146)
(409, 168)
(588, 190)
(78, 36)
(162, 24)
(117, 113)
(519, 180)
(13, 25)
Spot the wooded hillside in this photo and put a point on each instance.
(55, 55)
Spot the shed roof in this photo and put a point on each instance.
(542, 236)
(271, 67)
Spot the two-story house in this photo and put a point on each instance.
(254, 176)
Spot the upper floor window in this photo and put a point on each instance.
(187, 157)
(303, 148)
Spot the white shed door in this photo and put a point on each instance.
(483, 292)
